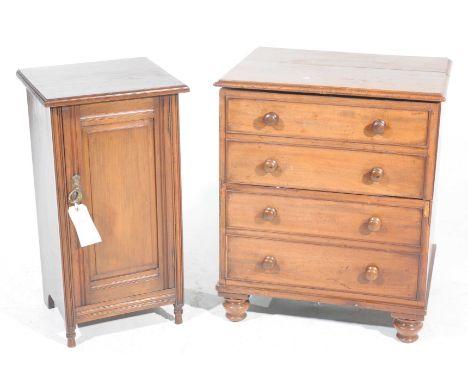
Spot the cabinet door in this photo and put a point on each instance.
(117, 149)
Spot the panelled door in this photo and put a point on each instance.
(116, 148)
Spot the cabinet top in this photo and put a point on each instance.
(334, 73)
(99, 81)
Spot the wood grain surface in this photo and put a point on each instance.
(329, 118)
(326, 216)
(321, 267)
(325, 169)
(99, 81)
(355, 74)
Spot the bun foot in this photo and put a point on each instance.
(407, 329)
(178, 313)
(236, 308)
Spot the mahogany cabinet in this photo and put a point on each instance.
(106, 134)
(327, 167)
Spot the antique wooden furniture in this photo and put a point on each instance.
(327, 171)
(108, 130)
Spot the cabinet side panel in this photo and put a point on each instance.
(46, 200)
(222, 189)
(432, 220)
(177, 197)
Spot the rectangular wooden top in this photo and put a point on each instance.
(349, 74)
(99, 81)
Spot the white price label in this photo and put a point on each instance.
(84, 225)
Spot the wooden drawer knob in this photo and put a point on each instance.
(269, 213)
(372, 273)
(374, 224)
(268, 263)
(376, 174)
(270, 165)
(270, 118)
(378, 126)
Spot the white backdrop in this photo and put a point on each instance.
(197, 42)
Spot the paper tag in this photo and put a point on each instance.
(84, 225)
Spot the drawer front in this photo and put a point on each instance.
(325, 169)
(322, 267)
(327, 218)
(353, 121)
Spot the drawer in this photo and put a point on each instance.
(352, 270)
(367, 121)
(325, 169)
(325, 216)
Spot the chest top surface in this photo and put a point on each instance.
(99, 81)
(334, 73)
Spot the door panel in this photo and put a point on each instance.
(119, 162)
(117, 152)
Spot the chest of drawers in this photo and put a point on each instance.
(327, 167)
(106, 134)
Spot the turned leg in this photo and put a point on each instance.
(178, 313)
(50, 302)
(71, 335)
(407, 329)
(236, 308)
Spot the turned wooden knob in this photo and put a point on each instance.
(269, 213)
(378, 126)
(270, 165)
(270, 118)
(376, 174)
(374, 224)
(372, 273)
(268, 263)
